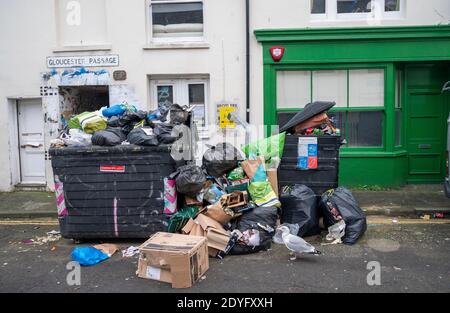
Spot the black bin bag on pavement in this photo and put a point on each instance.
(189, 180)
(340, 202)
(261, 219)
(221, 159)
(299, 206)
(143, 136)
(111, 136)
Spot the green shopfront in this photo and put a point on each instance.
(386, 82)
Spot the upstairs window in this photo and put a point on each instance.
(371, 10)
(173, 20)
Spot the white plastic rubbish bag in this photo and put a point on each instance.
(76, 138)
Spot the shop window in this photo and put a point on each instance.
(365, 129)
(359, 97)
(176, 20)
(366, 88)
(330, 86)
(356, 9)
(293, 89)
(191, 92)
(81, 22)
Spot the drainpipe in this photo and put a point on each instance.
(247, 56)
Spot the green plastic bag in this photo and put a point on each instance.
(263, 195)
(179, 219)
(271, 147)
(89, 122)
(236, 174)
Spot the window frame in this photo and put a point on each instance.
(398, 107)
(348, 67)
(181, 94)
(166, 40)
(331, 13)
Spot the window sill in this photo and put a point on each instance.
(356, 19)
(105, 47)
(375, 153)
(176, 45)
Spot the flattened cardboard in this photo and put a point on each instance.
(273, 179)
(107, 248)
(217, 236)
(216, 212)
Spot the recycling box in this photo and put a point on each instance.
(111, 192)
(310, 160)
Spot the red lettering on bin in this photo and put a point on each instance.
(112, 168)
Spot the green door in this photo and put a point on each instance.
(427, 111)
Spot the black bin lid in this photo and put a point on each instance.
(310, 110)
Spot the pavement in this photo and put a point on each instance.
(413, 255)
(411, 200)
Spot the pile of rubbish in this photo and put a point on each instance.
(123, 124)
(231, 204)
(313, 120)
(233, 200)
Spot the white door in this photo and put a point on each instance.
(31, 141)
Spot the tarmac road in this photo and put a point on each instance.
(414, 256)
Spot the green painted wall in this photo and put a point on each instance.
(381, 171)
(338, 48)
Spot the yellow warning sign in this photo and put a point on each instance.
(224, 110)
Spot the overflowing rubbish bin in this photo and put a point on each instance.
(311, 150)
(111, 192)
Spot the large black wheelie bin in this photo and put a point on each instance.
(321, 179)
(111, 192)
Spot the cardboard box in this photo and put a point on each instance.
(273, 179)
(203, 225)
(173, 258)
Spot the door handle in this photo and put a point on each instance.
(31, 146)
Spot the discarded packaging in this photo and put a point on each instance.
(205, 226)
(130, 252)
(107, 248)
(88, 256)
(173, 258)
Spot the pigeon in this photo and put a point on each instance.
(296, 244)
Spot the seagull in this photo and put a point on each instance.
(296, 244)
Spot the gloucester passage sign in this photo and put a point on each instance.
(83, 61)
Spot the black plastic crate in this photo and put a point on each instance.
(319, 180)
(111, 192)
